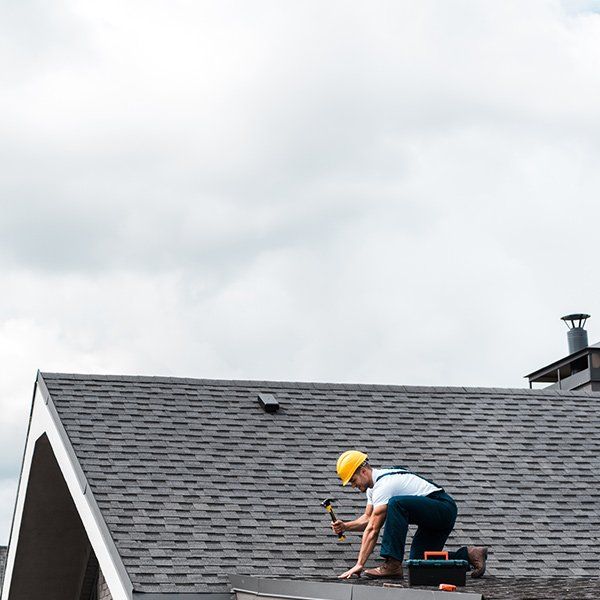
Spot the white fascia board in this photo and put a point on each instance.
(45, 419)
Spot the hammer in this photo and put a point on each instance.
(326, 504)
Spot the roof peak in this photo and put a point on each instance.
(259, 384)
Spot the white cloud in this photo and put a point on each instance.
(393, 191)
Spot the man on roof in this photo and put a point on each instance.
(396, 497)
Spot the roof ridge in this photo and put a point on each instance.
(317, 384)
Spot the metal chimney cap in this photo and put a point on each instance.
(570, 320)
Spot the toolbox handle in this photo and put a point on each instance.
(436, 555)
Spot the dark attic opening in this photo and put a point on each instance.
(54, 558)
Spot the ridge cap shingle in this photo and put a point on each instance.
(255, 383)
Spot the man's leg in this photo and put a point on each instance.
(461, 554)
(428, 539)
(396, 528)
(476, 556)
(434, 517)
(393, 541)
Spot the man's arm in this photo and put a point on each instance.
(359, 524)
(369, 539)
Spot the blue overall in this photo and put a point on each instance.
(434, 516)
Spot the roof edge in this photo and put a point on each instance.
(246, 587)
(79, 474)
(182, 596)
(262, 384)
(562, 361)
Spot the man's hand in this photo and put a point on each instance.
(369, 539)
(338, 526)
(355, 570)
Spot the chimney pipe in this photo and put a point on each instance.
(577, 335)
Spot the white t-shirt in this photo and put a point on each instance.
(403, 483)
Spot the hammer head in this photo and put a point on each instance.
(327, 502)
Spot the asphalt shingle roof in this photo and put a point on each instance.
(196, 481)
(532, 587)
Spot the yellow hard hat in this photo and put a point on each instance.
(347, 464)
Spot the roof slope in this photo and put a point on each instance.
(195, 480)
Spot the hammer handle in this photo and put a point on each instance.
(341, 536)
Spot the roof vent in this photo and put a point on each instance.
(577, 335)
(268, 402)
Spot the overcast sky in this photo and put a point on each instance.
(385, 191)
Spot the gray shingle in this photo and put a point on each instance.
(195, 480)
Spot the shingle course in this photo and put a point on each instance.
(191, 475)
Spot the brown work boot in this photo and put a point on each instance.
(477, 558)
(390, 569)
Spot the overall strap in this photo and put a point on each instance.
(400, 471)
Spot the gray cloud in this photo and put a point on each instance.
(147, 152)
